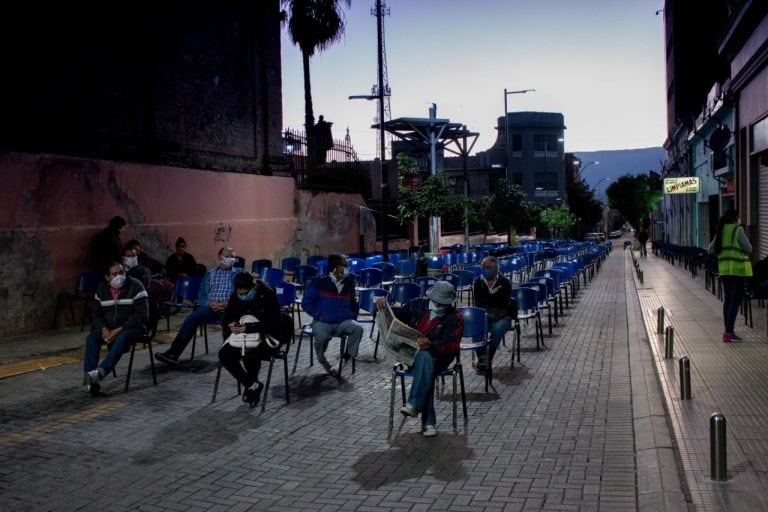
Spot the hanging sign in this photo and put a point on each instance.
(689, 185)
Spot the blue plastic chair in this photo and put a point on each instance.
(355, 265)
(466, 278)
(272, 276)
(403, 293)
(289, 263)
(303, 273)
(184, 296)
(425, 283)
(527, 308)
(367, 302)
(387, 273)
(257, 265)
(476, 331)
(312, 260)
(368, 278)
(449, 277)
(87, 282)
(541, 297)
(399, 372)
(406, 269)
(286, 298)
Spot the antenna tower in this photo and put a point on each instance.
(379, 11)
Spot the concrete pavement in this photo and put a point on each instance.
(581, 425)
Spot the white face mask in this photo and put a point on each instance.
(437, 308)
(344, 271)
(228, 261)
(118, 281)
(131, 261)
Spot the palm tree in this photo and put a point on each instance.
(313, 25)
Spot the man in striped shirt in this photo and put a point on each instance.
(212, 300)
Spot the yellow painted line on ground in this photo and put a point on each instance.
(22, 367)
(67, 421)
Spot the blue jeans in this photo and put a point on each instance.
(187, 330)
(733, 294)
(422, 394)
(498, 329)
(118, 346)
(323, 333)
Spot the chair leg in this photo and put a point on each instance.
(130, 366)
(287, 384)
(266, 384)
(298, 349)
(216, 383)
(392, 403)
(152, 362)
(460, 370)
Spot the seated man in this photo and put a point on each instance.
(120, 313)
(180, 263)
(330, 301)
(242, 362)
(492, 293)
(212, 300)
(440, 325)
(134, 269)
(145, 259)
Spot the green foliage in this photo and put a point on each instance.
(582, 203)
(557, 218)
(634, 197)
(508, 209)
(406, 164)
(431, 199)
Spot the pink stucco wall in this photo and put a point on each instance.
(53, 206)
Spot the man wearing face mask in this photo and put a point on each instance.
(330, 301)
(440, 325)
(212, 299)
(492, 293)
(120, 312)
(134, 269)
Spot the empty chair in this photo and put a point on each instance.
(406, 269)
(367, 302)
(272, 276)
(257, 265)
(527, 308)
(368, 278)
(289, 263)
(86, 289)
(450, 277)
(355, 265)
(402, 293)
(184, 296)
(303, 273)
(387, 273)
(466, 278)
(312, 260)
(425, 283)
(474, 335)
(541, 297)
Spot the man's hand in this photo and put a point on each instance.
(236, 327)
(218, 305)
(423, 343)
(380, 302)
(111, 335)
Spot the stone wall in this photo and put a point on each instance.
(54, 205)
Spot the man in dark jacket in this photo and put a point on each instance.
(120, 312)
(330, 301)
(492, 293)
(106, 246)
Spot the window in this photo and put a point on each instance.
(516, 142)
(545, 142)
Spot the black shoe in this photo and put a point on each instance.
(346, 357)
(167, 358)
(329, 369)
(94, 389)
(252, 396)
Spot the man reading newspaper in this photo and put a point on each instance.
(436, 326)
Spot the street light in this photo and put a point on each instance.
(506, 125)
(582, 169)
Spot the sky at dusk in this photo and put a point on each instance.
(598, 62)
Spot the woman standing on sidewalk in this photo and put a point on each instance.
(732, 248)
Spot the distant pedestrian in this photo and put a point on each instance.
(732, 248)
(642, 238)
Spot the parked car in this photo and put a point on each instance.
(594, 237)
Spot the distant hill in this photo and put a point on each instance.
(616, 163)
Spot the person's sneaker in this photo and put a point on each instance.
(329, 369)
(409, 410)
(253, 395)
(735, 337)
(481, 366)
(727, 337)
(92, 379)
(429, 431)
(167, 358)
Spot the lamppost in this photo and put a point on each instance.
(506, 126)
(582, 169)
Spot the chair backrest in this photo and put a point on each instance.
(367, 299)
(403, 293)
(312, 260)
(475, 323)
(477, 270)
(548, 282)
(355, 265)
(425, 283)
(541, 290)
(370, 261)
(257, 265)
(466, 277)
(406, 268)
(387, 270)
(525, 297)
(303, 273)
(187, 288)
(272, 276)
(369, 278)
(289, 263)
(87, 282)
(286, 294)
(239, 262)
(450, 277)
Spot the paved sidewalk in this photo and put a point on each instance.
(577, 426)
(726, 378)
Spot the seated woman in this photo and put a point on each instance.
(244, 363)
(440, 325)
(181, 263)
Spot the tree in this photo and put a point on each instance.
(430, 199)
(634, 197)
(506, 210)
(581, 201)
(313, 25)
(557, 218)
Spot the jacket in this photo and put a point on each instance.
(443, 332)
(263, 306)
(498, 304)
(323, 301)
(733, 259)
(129, 311)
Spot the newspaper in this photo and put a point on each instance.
(399, 338)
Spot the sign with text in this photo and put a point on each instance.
(689, 185)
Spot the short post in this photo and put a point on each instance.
(718, 465)
(685, 378)
(660, 320)
(640, 276)
(669, 343)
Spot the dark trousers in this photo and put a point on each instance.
(733, 294)
(245, 368)
(187, 330)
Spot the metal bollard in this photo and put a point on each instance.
(718, 465)
(669, 343)
(685, 378)
(640, 276)
(660, 320)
